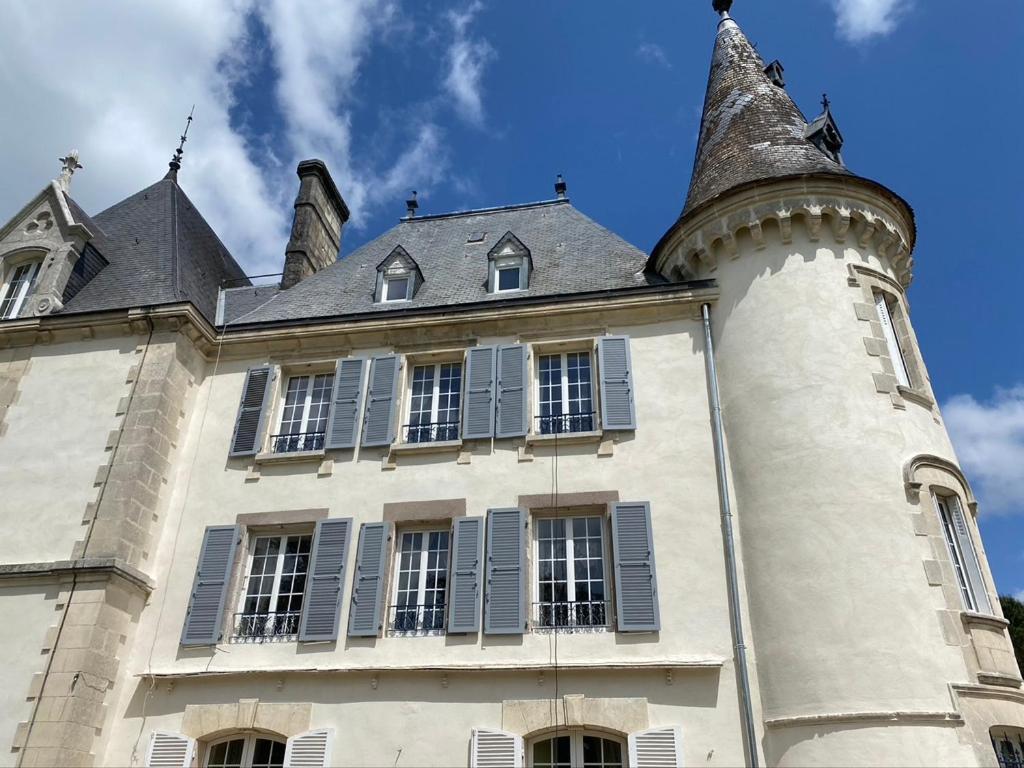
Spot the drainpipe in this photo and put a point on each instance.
(746, 707)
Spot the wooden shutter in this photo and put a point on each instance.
(656, 748)
(496, 749)
(364, 617)
(895, 353)
(170, 750)
(311, 749)
(252, 411)
(205, 616)
(343, 421)
(636, 586)
(464, 593)
(478, 416)
(378, 427)
(321, 605)
(971, 564)
(505, 601)
(513, 390)
(617, 408)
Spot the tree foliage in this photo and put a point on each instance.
(1013, 610)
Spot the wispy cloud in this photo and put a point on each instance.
(1020, 596)
(653, 53)
(989, 438)
(467, 58)
(861, 20)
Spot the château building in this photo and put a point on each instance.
(497, 488)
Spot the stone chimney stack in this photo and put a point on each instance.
(320, 213)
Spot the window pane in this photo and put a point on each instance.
(550, 390)
(396, 288)
(18, 286)
(421, 592)
(268, 754)
(294, 405)
(508, 279)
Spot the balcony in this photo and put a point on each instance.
(437, 432)
(416, 619)
(572, 616)
(299, 442)
(566, 423)
(265, 627)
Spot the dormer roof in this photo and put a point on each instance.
(399, 258)
(510, 246)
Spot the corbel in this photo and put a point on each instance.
(841, 224)
(786, 226)
(757, 235)
(729, 243)
(866, 233)
(814, 225)
(707, 258)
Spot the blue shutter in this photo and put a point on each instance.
(343, 420)
(364, 617)
(205, 616)
(505, 601)
(636, 586)
(467, 570)
(321, 605)
(617, 407)
(378, 428)
(513, 390)
(252, 412)
(478, 419)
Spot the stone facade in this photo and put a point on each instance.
(320, 214)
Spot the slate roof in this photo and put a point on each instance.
(571, 254)
(751, 130)
(160, 251)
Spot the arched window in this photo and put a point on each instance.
(253, 750)
(17, 284)
(577, 749)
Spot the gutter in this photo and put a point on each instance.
(736, 615)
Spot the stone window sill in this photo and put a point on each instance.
(287, 458)
(970, 618)
(998, 678)
(918, 396)
(594, 436)
(441, 446)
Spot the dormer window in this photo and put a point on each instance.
(398, 277)
(396, 287)
(510, 265)
(18, 281)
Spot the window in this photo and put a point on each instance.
(421, 583)
(272, 603)
(396, 288)
(249, 751)
(899, 364)
(1009, 746)
(307, 401)
(577, 750)
(508, 276)
(565, 393)
(19, 283)
(958, 557)
(571, 590)
(435, 401)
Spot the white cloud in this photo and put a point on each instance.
(653, 53)
(1020, 596)
(467, 59)
(989, 438)
(860, 20)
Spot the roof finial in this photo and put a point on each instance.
(411, 205)
(825, 103)
(69, 165)
(175, 164)
(722, 7)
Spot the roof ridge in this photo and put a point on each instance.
(478, 211)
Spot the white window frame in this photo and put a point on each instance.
(307, 402)
(435, 395)
(957, 557)
(275, 590)
(563, 354)
(248, 749)
(896, 354)
(509, 262)
(570, 582)
(388, 277)
(25, 289)
(576, 736)
(421, 589)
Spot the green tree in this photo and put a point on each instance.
(1013, 610)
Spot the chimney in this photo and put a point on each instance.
(320, 213)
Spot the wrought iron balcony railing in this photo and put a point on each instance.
(416, 619)
(264, 627)
(565, 423)
(301, 441)
(572, 615)
(432, 433)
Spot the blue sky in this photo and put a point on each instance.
(482, 103)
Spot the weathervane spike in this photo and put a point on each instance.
(825, 103)
(175, 164)
(722, 7)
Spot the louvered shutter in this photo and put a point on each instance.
(252, 411)
(170, 750)
(343, 421)
(378, 427)
(205, 616)
(636, 585)
(364, 617)
(617, 408)
(478, 417)
(895, 353)
(513, 389)
(496, 749)
(464, 593)
(321, 605)
(311, 749)
(656, 748)
(963, 535)
(505, 600)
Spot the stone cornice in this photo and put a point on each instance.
(851, 210)
(89, 567)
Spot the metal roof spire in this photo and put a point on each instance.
(175, 165)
